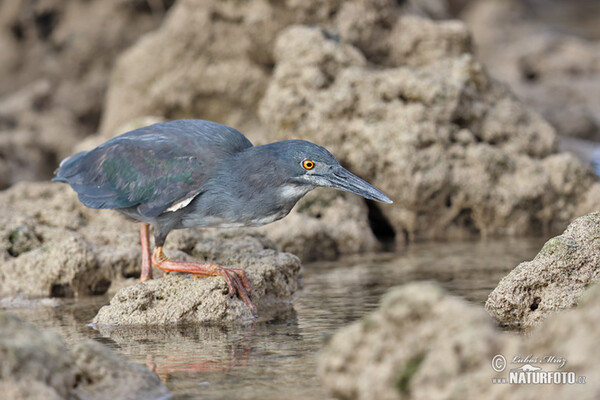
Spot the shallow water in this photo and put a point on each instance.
(278, 359)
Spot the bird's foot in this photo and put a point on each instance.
(236, 279)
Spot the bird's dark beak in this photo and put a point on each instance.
(343, 179)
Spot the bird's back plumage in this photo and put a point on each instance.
(151, 168)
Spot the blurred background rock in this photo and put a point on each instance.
(460, 121)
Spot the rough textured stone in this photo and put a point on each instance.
(220, 71)
(553, 280)
(178, 299)
(324, 225)
(457, 152)
(206, 72)
(424, 344)
(413, 339)
(553, 71)
(417, 41)
(402, 102)
(51, 245)
(107, 375)
(61, 268)
(57, 56)
(37, 364)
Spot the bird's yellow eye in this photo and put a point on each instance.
(308, 164)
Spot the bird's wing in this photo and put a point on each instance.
(157, 168)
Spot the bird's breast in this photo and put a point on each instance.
(223, 208)
(220, 222)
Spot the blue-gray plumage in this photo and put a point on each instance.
(189, 173)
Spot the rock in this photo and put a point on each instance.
(456, 151)
(554, 71)
(220, 70)
(52, 246)
(36, 364)
(590, 200)
(366, 25)
(31, 354)
(109, 376)
(58, 56)
(178, 299)
(25, 156)
(554, 280)
(418, 335)
(220, 73)
(424, 344)
(175, 72)
(417, 41)
(60, 269)
(403, 101)
(325, 225)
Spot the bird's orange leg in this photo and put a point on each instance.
(236, 279)
(146, 263)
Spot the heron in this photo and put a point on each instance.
(195, 173)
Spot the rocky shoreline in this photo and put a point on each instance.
(459, 109)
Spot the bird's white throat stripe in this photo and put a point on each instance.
(180, 204)
(293, 191)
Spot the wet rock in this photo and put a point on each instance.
(107, 375)
(418, 335)
(178, 299)
(32, 354)
(553, 280)
(424, 344)
(37, 362)
(456, 151)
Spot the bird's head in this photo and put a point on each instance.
(306, 164)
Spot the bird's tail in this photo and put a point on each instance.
(67, 168)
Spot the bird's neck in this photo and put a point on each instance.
(250, 188)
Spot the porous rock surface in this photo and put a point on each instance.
(57, 55)
(458, 153)
(177, 299)
(220, 72)
(401, 101)
(37, 364)
(51, 245)
(424, 344)
(413, 336)
(556, 69)
(554, 280)
(220, 69)
(325, 224)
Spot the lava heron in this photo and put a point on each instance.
(188, 173)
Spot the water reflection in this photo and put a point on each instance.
(278, 358)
